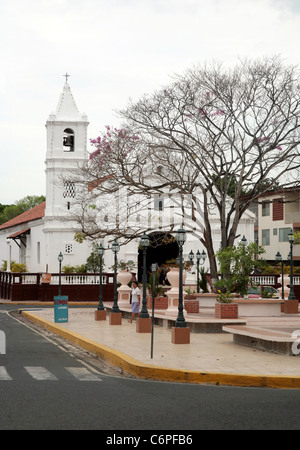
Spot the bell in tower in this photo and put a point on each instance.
(68, 140)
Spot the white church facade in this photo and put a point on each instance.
(37, 237)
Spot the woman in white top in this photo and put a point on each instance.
(136, 300)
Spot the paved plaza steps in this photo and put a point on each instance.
(204, 322)
(272, 334)
(268, 338)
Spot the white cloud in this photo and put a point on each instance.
(114, 50)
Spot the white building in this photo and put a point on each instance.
(278, 214)
(36, 237)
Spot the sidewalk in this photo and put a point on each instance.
(209, 358)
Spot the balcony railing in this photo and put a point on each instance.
(37, 286)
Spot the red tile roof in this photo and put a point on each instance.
(37, 212)
(19, 233)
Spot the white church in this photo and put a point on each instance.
(38, 236)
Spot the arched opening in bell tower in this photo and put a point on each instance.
(68, 140)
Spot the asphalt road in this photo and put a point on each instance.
(47, 384)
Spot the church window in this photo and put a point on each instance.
(68, 140)
(68, 248)
(69, 189)
(38, 252)
(158, 203)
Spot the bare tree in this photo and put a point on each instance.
(209, 137)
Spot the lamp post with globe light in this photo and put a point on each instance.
(115, 317)
(100, 314)
(143, 323)
(180, 333)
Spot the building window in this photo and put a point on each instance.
(69, 189)
(38, 252)
(265, 237)
(284, 234)
(274, 231)
(265, 209)
(278, 212)
(158, 203)
(68, 248)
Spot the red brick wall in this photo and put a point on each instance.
(159, 302)
(278, 209)
(191, 306)
(226, 311)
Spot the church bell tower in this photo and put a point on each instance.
(66, 149)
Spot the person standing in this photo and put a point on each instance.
(136, 300)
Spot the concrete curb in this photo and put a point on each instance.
(139, 369)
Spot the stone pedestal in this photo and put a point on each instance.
(180, 335)
(143, 325)
(173, 293)
(124, 295)
(115, 318)
(173, 301)
(100, 315)
(291, 307)
(124, 291)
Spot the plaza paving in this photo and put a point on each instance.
(210, 357)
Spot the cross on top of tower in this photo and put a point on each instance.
(67, 76)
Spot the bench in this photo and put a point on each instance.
(259, 307)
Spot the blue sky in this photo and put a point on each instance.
(114, 50)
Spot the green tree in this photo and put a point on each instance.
(236, 265)
(8, 212)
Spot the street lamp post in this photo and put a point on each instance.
(115, 248)
(100, 253)
(154, 269)
(180, 332)
(291, 293)
(199, 258)
(143, 323)
(60, 302)
(278, 258)
(144, 243)
(244, 241)
(60, 259)
(100, 314)
(180, 238)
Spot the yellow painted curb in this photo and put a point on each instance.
(139, 369)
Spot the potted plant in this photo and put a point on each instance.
(225, 308)
(160, 301)
(124, 271)
(191, 303)
(190, 294)
(171, 268)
